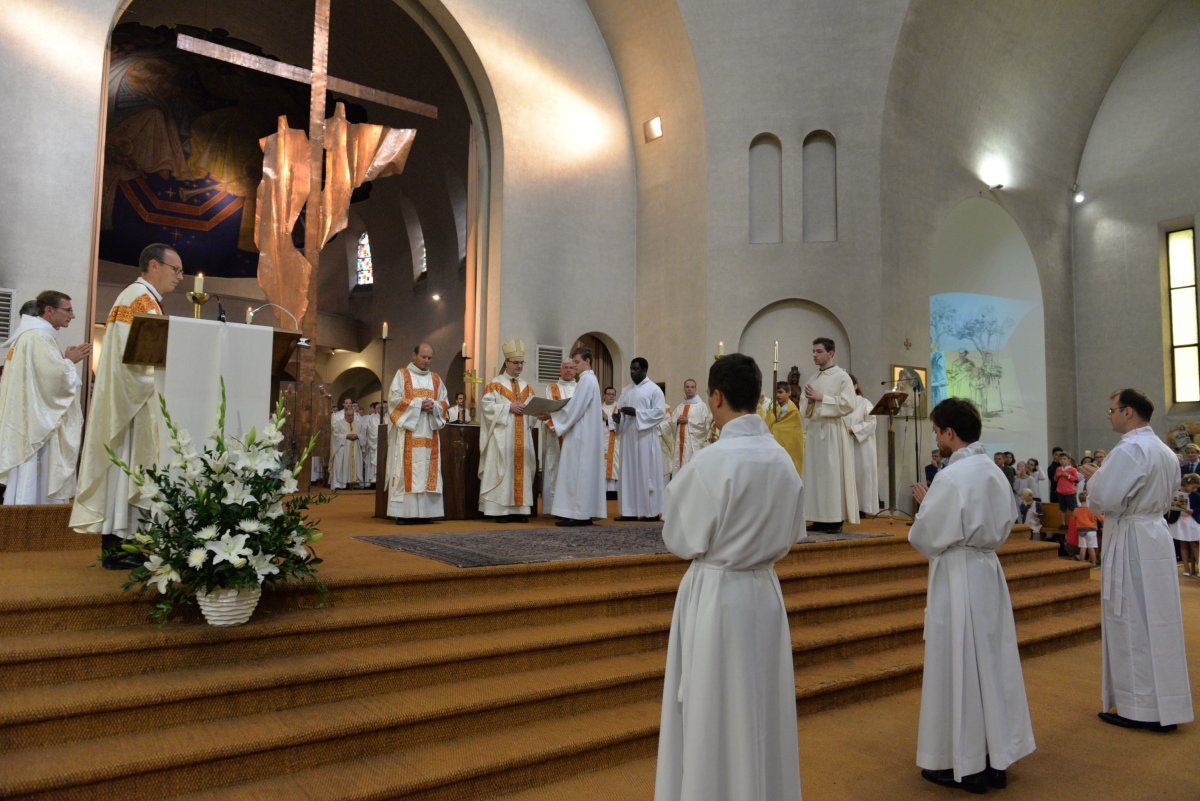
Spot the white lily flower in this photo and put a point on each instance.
(206, 533)
(288, 483)
(144, 539)
(162, 573)
(264, 565)
(299, 550)
(238, 494)
(218, 463)
(275, 511)
(197, 557)
(230, 548)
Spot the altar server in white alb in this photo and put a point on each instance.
(506, 457)
(579, 480)
(417, 408)
(347, 464)
(861, 425)
(125, 415)
(728, 728)
(1145, 675)
(370, 425)
(612, 443)
(639, 417)
(974, 713)
(40, 418)
(691, 424)
(549, 439)
(832, 496)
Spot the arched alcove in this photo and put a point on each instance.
(820, 187)
(987, 325)
(766, 189)
(358, 383)
(794, 323)
(604, 351)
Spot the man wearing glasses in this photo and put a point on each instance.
(506, 457)
(124, 415)
(1144, 668)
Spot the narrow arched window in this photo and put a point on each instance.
(820, 187)
(766, 189)
(364, 269)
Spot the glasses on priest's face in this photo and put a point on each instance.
(1111, 412)
(516, 362)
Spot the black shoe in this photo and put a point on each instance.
(655, 519)
(1126, 723)
(997, 779)
(567, 522)
(121, 560)
(624, 518)
(975, 783)
(518, 518)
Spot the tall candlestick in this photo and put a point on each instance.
(199, 283)
(385, 332)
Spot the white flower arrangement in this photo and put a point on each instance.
(222, 518)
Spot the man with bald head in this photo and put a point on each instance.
(417, 407)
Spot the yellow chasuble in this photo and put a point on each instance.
(788, 430)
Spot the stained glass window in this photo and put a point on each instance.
(365, 271)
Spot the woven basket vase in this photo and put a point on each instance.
(228, 607)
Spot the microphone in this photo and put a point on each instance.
(221, 310)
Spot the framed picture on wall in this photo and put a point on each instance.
(908, 379)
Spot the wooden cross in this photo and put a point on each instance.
(320, 81)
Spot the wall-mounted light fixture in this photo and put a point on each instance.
(995, 187)
(652, 129)
(1077, 193)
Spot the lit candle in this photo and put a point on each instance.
(249, 315)
(199, 283)
(721, 348)
(777, 353)
(464, 349)
(384, 335)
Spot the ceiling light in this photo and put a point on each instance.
(436, 296)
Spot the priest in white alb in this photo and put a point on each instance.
(417, 407)
(506, 457)
(370, 424)
(639, 417)
(691, 424)
(612, 443)
(579, 480)
(861, 424)
(974, 713)
(1145, 682)
(125, 415)
(831, 497)
(728, 725)
(346, 462)
(549, 439)
(40, 418)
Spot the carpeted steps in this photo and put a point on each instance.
(332, 703)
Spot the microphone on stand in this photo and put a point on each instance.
(221, 310)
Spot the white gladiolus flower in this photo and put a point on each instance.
(230, 548)
(206, 533)
(197, 557)
(272, 435)
(288, 483)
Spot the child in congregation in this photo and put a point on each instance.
(1029, 512)
(1184, 519)
(1084, 525)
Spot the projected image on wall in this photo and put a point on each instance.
(977, 354)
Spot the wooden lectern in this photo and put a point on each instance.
(459, 448)
(890, 405)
